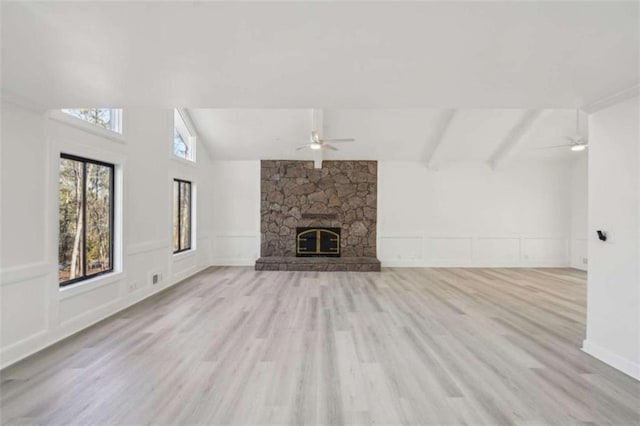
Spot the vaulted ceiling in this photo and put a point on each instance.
(433, 81)
(434, 54)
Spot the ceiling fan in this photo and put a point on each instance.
(577, 142)
(316, 142)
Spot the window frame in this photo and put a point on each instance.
(116, 119)
(183, 127)
(112, 223)
(182, 250)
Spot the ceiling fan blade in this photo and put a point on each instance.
(554, 146)
(302, 147)
(338, 140)
(331, 147)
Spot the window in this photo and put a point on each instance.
(85, 247)
(183, 140)
(181, 215)
(107, 118)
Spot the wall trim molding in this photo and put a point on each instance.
(92, 284)
(238, 261)
(241, 234)
(237, 256)
(26, 272)
(147, 246)
(624, 365)
(440, 263)
(469, 252)
(30, 345)
(463, 235)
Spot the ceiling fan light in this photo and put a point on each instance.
(315, 146)
(578, 147)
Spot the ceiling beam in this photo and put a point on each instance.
(611, 100)
(513, 139)
(435, 142)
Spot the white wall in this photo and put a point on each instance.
(579, 204)
(35, 312)
(470, 215)
(236, 212)
(613, 303)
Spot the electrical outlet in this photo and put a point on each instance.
(156, 278)
(133, 285)
(584, 260)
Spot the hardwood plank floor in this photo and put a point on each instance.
(406, 346)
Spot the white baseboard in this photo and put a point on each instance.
(239, 261)
(619, 363)
(395, 263)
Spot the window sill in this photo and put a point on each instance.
(68, 120)
(73, 290)
(184, 254)
(183, 161)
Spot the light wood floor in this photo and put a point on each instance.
(406, 346)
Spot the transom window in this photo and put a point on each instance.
(181, 215)
(183, 140)
(85, 243)
(106, 118)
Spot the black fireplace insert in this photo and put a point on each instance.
(317, 241)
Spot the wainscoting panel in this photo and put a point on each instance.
(493, 249)
(237, 249)
(203, 252)
(401, 249)
(445, 250)
(579, 253)
(149, 246)
(85, 303)
(422, 250)
(543, 249)
(182, 265)
(24, 309)
(24, 273)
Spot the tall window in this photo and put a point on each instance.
(107, 118)
(181, 215)
(183, 140)
(85, 247)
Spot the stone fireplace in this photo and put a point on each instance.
(340, 198)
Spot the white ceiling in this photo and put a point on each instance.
(330, 54)
(473, 135)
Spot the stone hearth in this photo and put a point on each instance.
(276, 263)
(343, 194)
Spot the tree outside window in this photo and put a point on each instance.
(85, 247)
